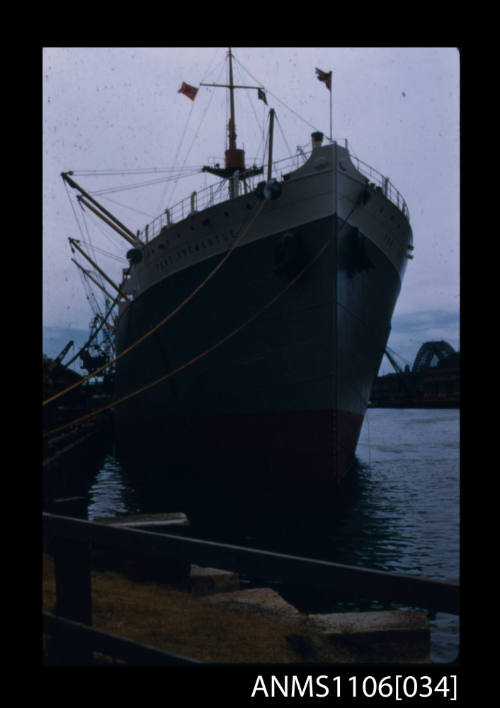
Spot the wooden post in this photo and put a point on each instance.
(73, 588)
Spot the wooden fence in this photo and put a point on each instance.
(71, 540)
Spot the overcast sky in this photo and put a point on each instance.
(119, 109)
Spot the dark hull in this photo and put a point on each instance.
(280, 404)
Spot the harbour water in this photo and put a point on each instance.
(401, 515)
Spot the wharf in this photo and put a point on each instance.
(72, 440)
(216, 620)
(71, 457)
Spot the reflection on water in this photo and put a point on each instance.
(411, 492)
(401, 512)
(110, 494)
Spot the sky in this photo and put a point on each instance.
(112, 108)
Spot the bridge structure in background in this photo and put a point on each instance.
(440, 350)
(433, 381)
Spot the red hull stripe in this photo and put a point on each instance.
(291, 444)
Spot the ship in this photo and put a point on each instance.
(274, 289)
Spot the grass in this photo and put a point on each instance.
(174, 620)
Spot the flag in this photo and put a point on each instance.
(187, 90)
(326, 77)
(261, 95)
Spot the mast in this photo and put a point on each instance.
(271, 130)
(234, 169)
(232, 124)
(235, 159)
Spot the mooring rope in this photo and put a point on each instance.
(170, 315)
(223, 340)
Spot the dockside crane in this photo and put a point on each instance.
(57, 361)
(404, 376)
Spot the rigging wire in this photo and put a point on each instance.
(149, 183)
(282, 134)
(89, 294)
(86, 238)
(120, 259)
(127, 206)
(279, 99)
(131, 171)
(261, 123)
(163, 199)
(195, 137)
(100, 226)
(266, 141)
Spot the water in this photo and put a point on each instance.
(402, 514)
(409, 508)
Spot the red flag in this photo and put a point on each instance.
(187, 90)
(326, 77)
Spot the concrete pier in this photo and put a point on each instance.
(376, 637)
(390, 636)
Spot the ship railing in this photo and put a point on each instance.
(217, 192)
(379, 180)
